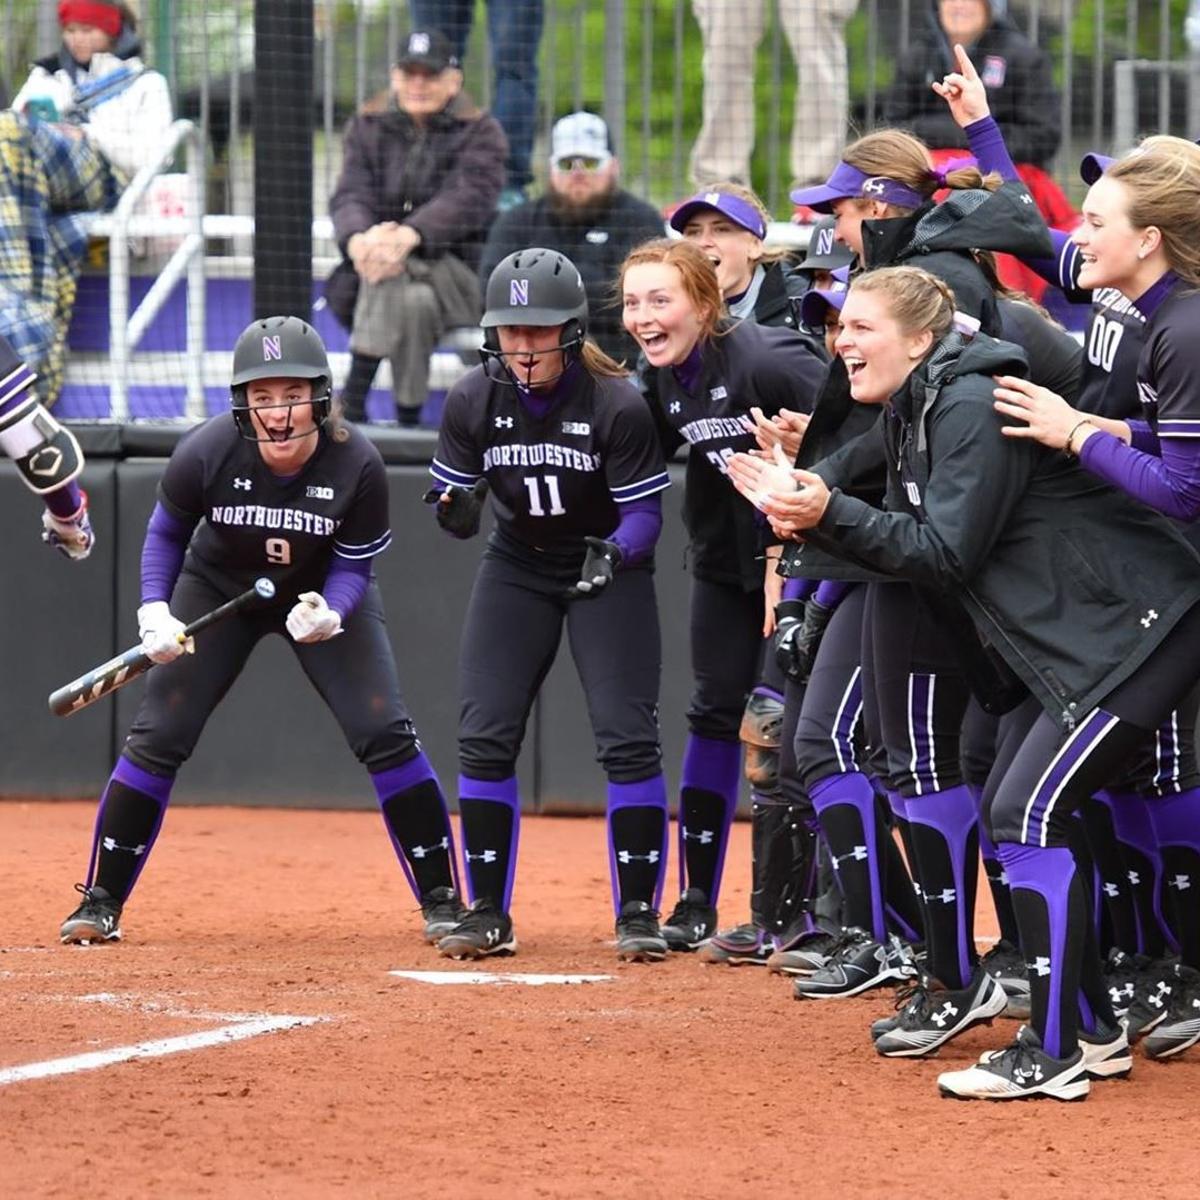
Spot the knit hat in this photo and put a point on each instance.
(104, 16)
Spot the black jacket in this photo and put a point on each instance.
(781, 284)
(1071, 581)
(596, 246)
(1019, 82)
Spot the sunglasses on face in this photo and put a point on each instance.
(579, 162)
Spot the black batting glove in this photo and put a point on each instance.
(603, 558)
(458, 509)
(789, 614)
(796, 645)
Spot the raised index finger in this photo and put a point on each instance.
(965, 65)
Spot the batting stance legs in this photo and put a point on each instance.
(513, 627)
(355, 676)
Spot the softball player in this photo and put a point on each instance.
(569, 451)
(46, 455)
(1092, 599)
(708, 374)
(277, 488)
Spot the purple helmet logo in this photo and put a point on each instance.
(272, 350)
(518, 292)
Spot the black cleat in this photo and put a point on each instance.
(97, 919)
(692, 922)
(741, 944)
(1005, 963)
(483, 931)
(442, 908)
(639, 938)
(931, 1014)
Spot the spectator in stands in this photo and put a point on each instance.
(417, 190)
(586, 215)
(82, 125)
(815, 30)
(514, 31)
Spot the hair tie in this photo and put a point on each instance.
(938, 174)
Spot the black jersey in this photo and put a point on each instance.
(558, 469)
(1168, 370)
(749, 366)
(288, 528)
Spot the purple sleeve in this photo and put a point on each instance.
(987, 145)
(798, 589)
(1144, 438)
(1170, 484)
(346, 584)
(638, 529)
(166, 542)
(831, 592)
(64, 502)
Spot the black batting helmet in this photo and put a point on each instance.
(279, 348)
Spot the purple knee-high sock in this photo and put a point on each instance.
(128, 820)
(1042, 880)
(1134, 827)
(944, 828)
(417, 818)
(711, 779)
(490, 814)
(637, 840)
(1177, 829)
(845, 807)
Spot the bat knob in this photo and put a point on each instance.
(265, 588)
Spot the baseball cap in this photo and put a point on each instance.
(815, 303)
(825, 254)
(428, 49)
(849, 182)
(737, 210)
(1093, 165)
(580, 135)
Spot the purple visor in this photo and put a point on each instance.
(815, 303)
(1093, 165)
(738, 211)
(849, 183)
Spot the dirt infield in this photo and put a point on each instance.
(672, 1079)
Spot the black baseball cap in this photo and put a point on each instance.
(428, 49)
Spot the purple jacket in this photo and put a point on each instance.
(443, 179)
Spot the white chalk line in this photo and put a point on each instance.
(439, 978)
(238, 1028)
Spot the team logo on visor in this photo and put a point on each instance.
(518, 292)
(272, 350)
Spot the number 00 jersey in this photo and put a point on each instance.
(287, 528)
(557, 476)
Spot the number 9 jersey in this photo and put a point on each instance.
(286, 527)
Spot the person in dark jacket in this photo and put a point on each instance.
(586, 215)
(1017, 75)
(418, 187)
(1092, 599)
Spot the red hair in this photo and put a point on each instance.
(697, 273)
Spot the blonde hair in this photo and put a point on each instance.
(1163, 180)
(897, 155)
(596, 362)
(730, 187)
(699, 276)
(918, 301)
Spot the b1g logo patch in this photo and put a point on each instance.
(312, 492)
(518, 293)
(580, 427)
(272, 350)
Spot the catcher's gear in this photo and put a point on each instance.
(71, 535)
(458, 510)
(279, 348)
(798, 639)
(537, 287)
(312, 620)
(599, 565)
(46, 454)
(163, 636)
(761, 733)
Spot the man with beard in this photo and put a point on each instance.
(585, 215)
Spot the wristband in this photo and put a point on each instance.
(1074, 430)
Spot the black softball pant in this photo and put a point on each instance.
(512, 632)
(354, 673)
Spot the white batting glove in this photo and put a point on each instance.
(312, 620)
(162, 634)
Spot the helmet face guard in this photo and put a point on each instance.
(279, 348)
(533, 288)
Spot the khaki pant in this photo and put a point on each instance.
(732, 29)
(401, 319)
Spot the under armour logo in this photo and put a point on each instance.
(1134, 878)
(1181, 882)
(1026, 198)
(418, 43)
(1039, 966)
(713, 198)
(113, 844)
(1161, 991)
(1150, 616)
(504, 422)
(943, 1015)
(874, 187)
(272, 349)
(1112, 889)
(484, 856)
(859, 854)
(422, 851)
(1004, 878)
(1034, 1073)
(1120, 991)
(493, 936)
(675, 406)
(518, 292)
(704, 837)
(825, 241)
(626, 857)
(242, 484)
(946, 895)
